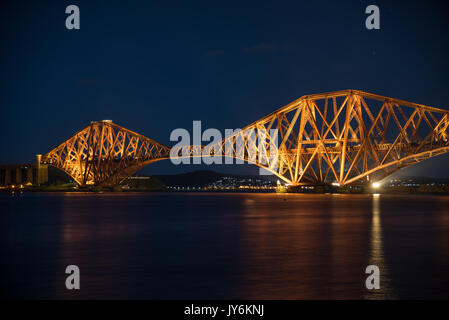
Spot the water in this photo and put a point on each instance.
(223, 246)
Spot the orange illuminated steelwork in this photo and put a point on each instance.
(104, 153)
(343, 137)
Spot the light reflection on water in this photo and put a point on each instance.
(209, 245)
(377, 256)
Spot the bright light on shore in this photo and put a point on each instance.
(376, 185)
(335, 184)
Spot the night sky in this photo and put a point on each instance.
(156, 66)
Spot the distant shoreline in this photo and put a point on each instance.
(392, 191)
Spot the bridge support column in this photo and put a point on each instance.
(42, 170)
(29, 175)
(7, 176)
(18, 175)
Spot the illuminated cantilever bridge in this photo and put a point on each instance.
(343, 137)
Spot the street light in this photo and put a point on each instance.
(376, 185)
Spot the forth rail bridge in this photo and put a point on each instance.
(345, 137)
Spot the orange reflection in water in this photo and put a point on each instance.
(325, 237)
(377, 255)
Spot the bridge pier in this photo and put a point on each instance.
(7, 176)
(42, 170)
(18, 175)
(29, 175)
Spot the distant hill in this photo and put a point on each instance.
(201, 178)
(197, 178)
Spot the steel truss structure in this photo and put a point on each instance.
(104, 153)
(343, 137)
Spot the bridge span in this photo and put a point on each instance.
(342, 137)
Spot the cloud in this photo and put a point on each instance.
(260, 48)
(266, 47)
(214, 53)
(90, 81)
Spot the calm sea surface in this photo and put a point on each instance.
(223, 246)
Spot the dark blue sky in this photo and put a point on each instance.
(156, 66)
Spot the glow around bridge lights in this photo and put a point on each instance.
(376, 185)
